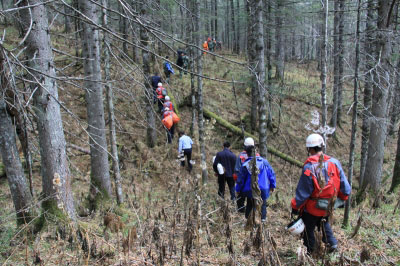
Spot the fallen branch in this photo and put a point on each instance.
(358, 226)
(78, 148)
(238, 131)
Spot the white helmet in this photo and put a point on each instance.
(314, 140)
(167, 98)
(159, 84)
(296, 227)
(249, 142)
(166, 109)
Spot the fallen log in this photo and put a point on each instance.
(237, 130)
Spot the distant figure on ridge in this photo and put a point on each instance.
(185, 147)
(179, 62)
(168, 70)
(266, 181)
(205, 46)
(321, 181)
(227, 159)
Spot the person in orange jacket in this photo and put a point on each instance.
(205, 46)
(171, 131)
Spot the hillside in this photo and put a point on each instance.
(166, 207)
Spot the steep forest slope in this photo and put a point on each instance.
(169, 218)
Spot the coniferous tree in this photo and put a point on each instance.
(100, 170)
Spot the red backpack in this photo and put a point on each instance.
(324, 192)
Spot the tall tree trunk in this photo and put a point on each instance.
(370, 55)
(227, 27)
(395, 110)
(17, 182)
(340, 62)
(151, 122)
(260, 72)
(234, 39)
(100, 172)
(336, 77)
(373, 169)
(110, 107)
(279, 45)
(324, 60)
(56, 177)
(251, 46)
(238, 26)
(216, 19)
(354, 118)
(396, 170)
(192, 54)
(67, 19)
(203, 163)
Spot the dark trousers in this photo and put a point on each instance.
(188, 154)
(160, 104)
(170, 133)
(249, 207)
(311, 222)
(221, 186)
(240, 202)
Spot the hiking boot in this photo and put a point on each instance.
(332, 249)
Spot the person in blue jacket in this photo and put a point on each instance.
(168, 70)
(266, 182)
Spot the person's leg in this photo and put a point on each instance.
(172, 131)
(160, 105)
(310, 221)
(264, 210)
(188, 153)
(169, 136)
(231, 185)
(240, 202)
(327, 234)
(221, 186)
(249, 206)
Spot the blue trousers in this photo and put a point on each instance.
(249, 207)
(311, 221)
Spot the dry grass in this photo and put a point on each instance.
(161, 209)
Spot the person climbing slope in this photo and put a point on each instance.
(154, 83)
(322, 184)
(241, 158)
(161, 92)
(227, 159)
(171, 130)
(168, 70)
(185, 147)
(168, 104)
(266, 181)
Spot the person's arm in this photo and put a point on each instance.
(216, 161)
(345, 188)
(180, 145)
(304, 189)
(271, 176)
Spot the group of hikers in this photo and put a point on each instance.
(211, 45)
(322, 187)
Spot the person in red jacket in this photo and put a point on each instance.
(161, 92)
(321, 184)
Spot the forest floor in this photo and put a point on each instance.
(168, 217)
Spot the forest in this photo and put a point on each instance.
(115, 114)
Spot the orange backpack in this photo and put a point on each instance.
(167, 121)
(175, 118)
